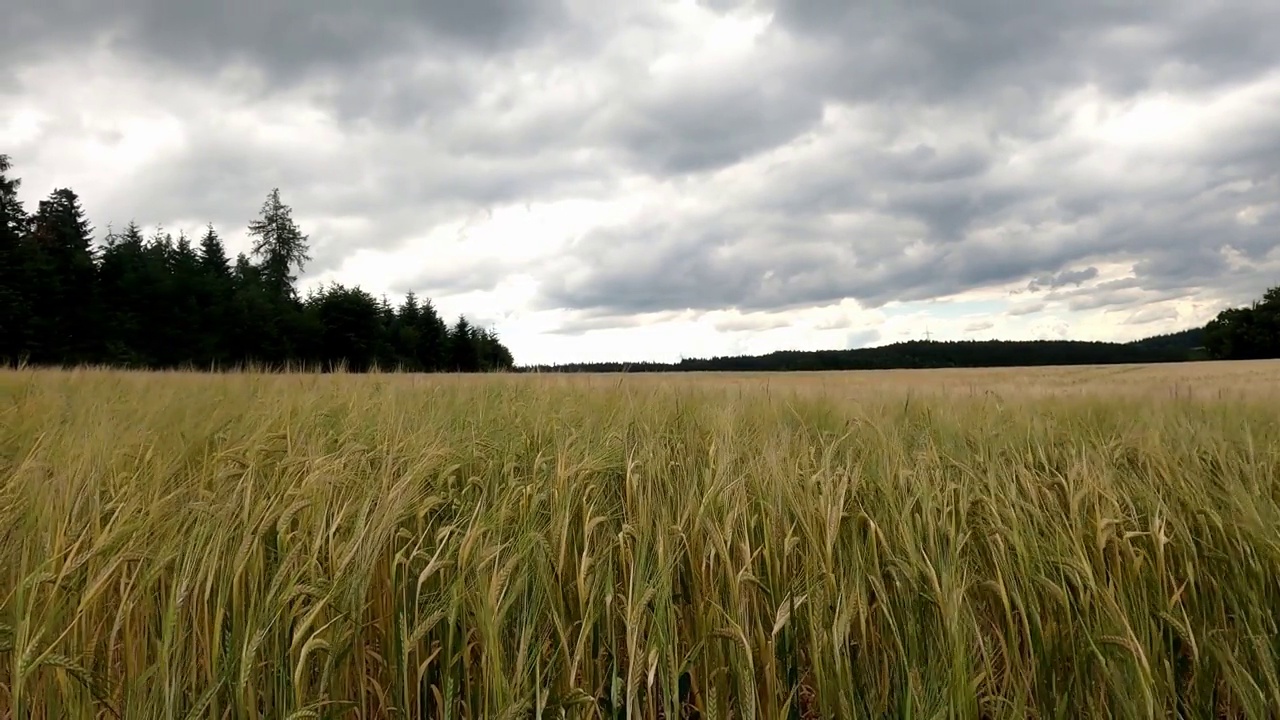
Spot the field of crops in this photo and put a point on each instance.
(1049, 543)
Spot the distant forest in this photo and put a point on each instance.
(165, 302)
(1177, 347)
(1236, 334)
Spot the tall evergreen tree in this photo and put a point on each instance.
(270, 302)
(253, 316)
(280, 246)
(183, 307)
(433, 337)
(129, 288)
(15, 271)
(243, 271)
(464, 355)
(162, 316)
(406, 337)
(213, 294)
(213, 254)
(493, 355)
(64, 275)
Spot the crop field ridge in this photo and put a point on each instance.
(180, 545)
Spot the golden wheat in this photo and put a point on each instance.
(1084, 542)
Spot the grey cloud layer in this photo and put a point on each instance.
(870, 150)
(973, 49)
(984, 79)
(1054, 281)
(285, 38)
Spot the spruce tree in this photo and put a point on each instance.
(407, 335)
(183, 307)
(128, 290)
(15, 271)
(213, 254)
(433, 337)
(213, 294)
(493, 354)
(279, 245)
(464, 356)
(64, 275)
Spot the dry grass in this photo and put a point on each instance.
(1058, 543)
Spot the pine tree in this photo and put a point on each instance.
(15, 271)
(243, 272)
(213, 292)
(492, 353)
(387, 327)
(407, 335)
(433, 335)
(464, 356)
(159, 315)
(213, 254)
(280, 245)
(128, 290)
(184, 308)
(64, 277)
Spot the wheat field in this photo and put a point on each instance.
(1048, 543)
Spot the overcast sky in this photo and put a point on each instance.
(645, 180)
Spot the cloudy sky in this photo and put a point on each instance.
(639, 179)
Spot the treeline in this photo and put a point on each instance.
(165, 302)
(932, 354)
(1247, 333)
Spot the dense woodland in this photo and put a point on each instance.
(1247, 333)
(165, 302)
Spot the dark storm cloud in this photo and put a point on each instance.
(726, 261)
(949, 212)
(934, 49)
(1195, 264)
(926, 164)
(285, 38)
(744, 260)
(694, 126)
